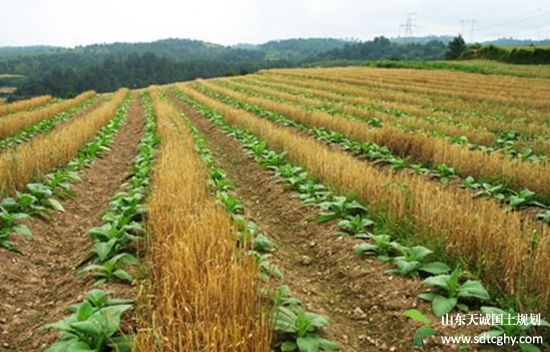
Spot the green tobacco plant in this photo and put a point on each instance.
(382, 247)
(444, 173)
(524, 198)
(231, 204)
(339, 207)
(510, 326)
(94, 325)
(448, 292)
(356, 225)
(409, 263)
(301, 330)
(111, 269)
(8, 226)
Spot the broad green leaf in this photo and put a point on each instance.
(97, 297)
(22, 230)
(419, 252)
(441, 281)
(527, 347)
(442, 305)
(312, 343)
(417, 315)
(363, 247)
(473, 288)
(289, 346)
(70, 345)
(123, 275)
(491, 333)
(54, 204)
(88, 327)
(427, 296)
(435, 268)
(103, 249)
(84, 311)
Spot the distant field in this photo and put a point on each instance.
(526, 47)
(7, 90)
(486, 67)
(9, 75)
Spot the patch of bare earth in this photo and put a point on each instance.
(364, 305)
(37, 287)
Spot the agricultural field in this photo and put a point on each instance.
(315, 209)
(487, 67)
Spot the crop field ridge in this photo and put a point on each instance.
(40, 284)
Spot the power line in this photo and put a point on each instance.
(525, 17)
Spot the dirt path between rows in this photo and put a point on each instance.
(37, 287)
(364, 305)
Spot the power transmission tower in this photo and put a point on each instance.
(464, 24)
(472, 25)
(409, 24)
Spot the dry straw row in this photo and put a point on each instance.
(203, 291)
(24, 104)
(28, 161)
(10, 125)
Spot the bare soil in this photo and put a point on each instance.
(364, 305)
(37, 287)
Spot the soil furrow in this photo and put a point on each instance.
(364, 305)
(37, 287)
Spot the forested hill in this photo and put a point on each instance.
(106, 67)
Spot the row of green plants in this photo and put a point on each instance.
(94, 324)
(505, 142)
(450, 290)
(297, 329)
(383, 155)
(44, 126)
(40, 198)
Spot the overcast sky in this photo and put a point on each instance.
(73, 22)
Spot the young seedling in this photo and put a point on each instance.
(93, 326)
(8, 226)
(338, 208)
(448, 292)
(301, 330)
(410, 262)
(382, 247)
(111, 269)
(524, 198)
(356, 225)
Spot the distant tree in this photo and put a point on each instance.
(455, 48)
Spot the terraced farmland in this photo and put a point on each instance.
(288, 210)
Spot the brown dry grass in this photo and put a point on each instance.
(24, 104)
(203, 291)
(504, 248)
(10, 125)
(28, 161)
(420, 147)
